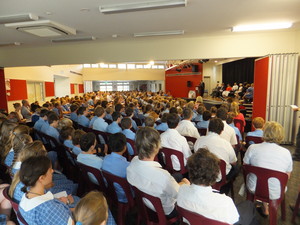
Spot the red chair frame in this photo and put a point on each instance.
(168, 152)
(202, 131)
(256, 140)
(262, 189)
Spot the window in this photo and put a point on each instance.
(95, 66)
(123, 86)
(112, 66)
(130, 66)
(121, 66)
(86, 65)
(103, 65)
(107, 86)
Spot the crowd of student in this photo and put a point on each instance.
(152, 121)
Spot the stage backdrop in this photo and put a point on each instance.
(179, 83)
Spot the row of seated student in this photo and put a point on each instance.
(216, 128)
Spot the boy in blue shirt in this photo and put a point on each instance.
(82, 116)
(114, 126)
(126, 125)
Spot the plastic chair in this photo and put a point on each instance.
(195, 218)
(88, 183)
(262, 189)
(296, 209)
(202, 131)
(152, 217)
(132, 144)
(101, 133)
(190, 139)
(240, 125)
(168, 152)
(14, 205)
(85, 129)
(123, 208)
(256, 140)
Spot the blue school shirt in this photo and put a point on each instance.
(73, 116)
(92, 121)
(113, 128)
(83, 121)
(38, 124)
(131, 135)
(76, 150)
(53, 132)
(162, 127)
(100, 124)
(69, 144)
(9, 158)
(237, 131)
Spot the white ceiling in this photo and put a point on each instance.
(199, 18)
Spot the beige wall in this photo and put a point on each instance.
(164, 48)
(116, 74)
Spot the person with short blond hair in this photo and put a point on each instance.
(258, 124)
(269, 155)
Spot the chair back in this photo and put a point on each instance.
(262, 186)
(85, 129)
(195, 218)
(111, 179)
(14, 205)
(202, 131)
(223, 181)
(102, 134)
(190, 139)
(256, 140)
(132, 144)
(168, 152)
(98, 175)
(240, 125)
(157, 216)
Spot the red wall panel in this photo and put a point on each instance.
(176, 82)
(18, 90)
(80, 88)
(261, 69)
(49, 89)
(3, 96)
(72, 88)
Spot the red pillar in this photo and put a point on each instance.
(3, 95)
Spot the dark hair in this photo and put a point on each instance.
(230, 117)
(99, 111)
(117, 142)
(52, 117)
(216, 125)
(172, 120)
(104, 103)
(206, 115)
(128, 111)
(173, 110)
(76, 136)
(213, 109)
(164, 117)
(31, 170)
(203, 167)
(222, 113)
(87, 140)
(187, 112)
(126, 123)
(81, 110)
(118, 107)
(43, 112)
(115, 116)
(201, 109)
(73, 107)
(146, 141)
(149, 121)
(46, 105)
(148, 108)
(66, 132)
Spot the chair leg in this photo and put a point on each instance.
(283, 213)
(232, 191)
(273, 212)
(296, 209)
(120, 214)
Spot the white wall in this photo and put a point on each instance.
(213, 71)
(61, 86)
(227, 46)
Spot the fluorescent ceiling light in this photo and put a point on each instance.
(10, 44)
(146, 5)
(74, 39)
(267, 26)
(43, 28)
(18, 18)
(160, 33)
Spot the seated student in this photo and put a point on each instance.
(82, 119)
(126, 125)
(36, 115)
(66, 136)
(234, 107)
(172, 139)
(258, 124)
(53, 124)
(115, 163)
(42, 120)
(164, 125)
(73, 115)
(108, 113)
(114, 126)
(199, 116)
(120, 108)
(199, 197)
(149, 122)
(229, 121)
(46, 125)
(185, 126)
(228, 132)
(99, 123)
(57, 109)
(147, 175)
(92, 209)
(87, 157)
(213, 111)
(76, 137)
(35, 205)
(64, 122)
(206, 117)
(219, 146)
(129, 113)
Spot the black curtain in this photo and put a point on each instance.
(238, 71)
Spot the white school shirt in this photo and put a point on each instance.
(219, 146)
(229, 134)
(172, 139)
(202, 200)
(149, 177)
(270, 156)
(187, 128)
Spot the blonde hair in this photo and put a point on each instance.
(92, 209)
(235, 108)
(273, 132)
(65, 122)
(258, 122)
(199, 99)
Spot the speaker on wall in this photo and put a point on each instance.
(195, 68)
(189, 83)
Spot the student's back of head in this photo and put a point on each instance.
(87, 141)
(117, 142)
(222, 113)
(147, 142)
(126, 123)
(216, 125)
(172, 120)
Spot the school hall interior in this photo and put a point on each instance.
(61, 48)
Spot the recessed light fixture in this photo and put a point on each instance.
(160, 33)
(18, 18)
(85, 10)
(267, 26)
(114, 35)
(144, 5)
(73, 39)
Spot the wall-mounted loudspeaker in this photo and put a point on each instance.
(195, 68)
(189, 83)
